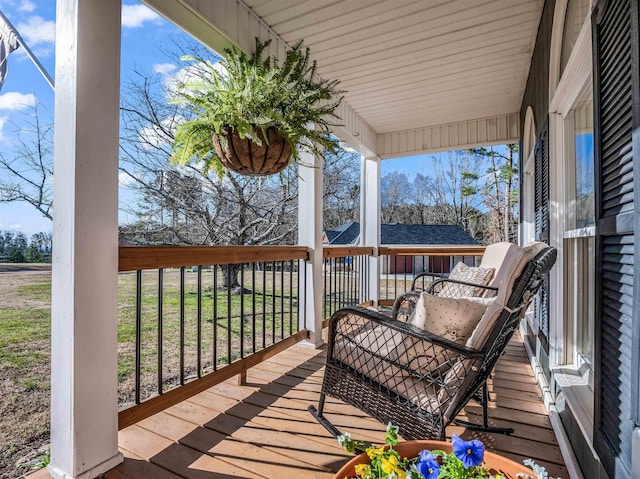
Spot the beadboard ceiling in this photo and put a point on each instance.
(410, 64)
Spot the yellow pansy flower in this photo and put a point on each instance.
(373, 452)
(362, 470)
(390, 465)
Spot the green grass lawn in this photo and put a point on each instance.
(276, 315)
(227, 325)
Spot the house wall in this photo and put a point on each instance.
(600, 435)
(536, 98)
(536, 93)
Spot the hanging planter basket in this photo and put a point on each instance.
(246, 157)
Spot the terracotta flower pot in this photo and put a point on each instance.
(248, 158)
(493, 462)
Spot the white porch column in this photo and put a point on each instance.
(310, 235)
(84, 415)
(370, 219)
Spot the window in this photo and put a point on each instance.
(580, 187)
(576, 13)
(579, 230)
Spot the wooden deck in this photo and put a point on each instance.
(263, 429)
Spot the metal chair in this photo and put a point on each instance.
(399, 373)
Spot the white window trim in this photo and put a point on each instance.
(564, 93)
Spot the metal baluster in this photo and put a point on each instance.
(290, 297)
(264, 305)
(404, 281)
(273, 302)
(325, 291)
(298, 293)
(329, 292)
(304, 292)
(182, 269)
(253, 306)
(160, 311)
(242, 310)
(138, 333)
(199, 324)
(395, 277)
(215, 317)
(281, 299)
(229, 279)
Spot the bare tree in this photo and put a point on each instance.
(500, 192)
(341, 189)
(395, 189)
(26, 169)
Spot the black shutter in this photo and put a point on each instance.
(615, 43)
(542, 225)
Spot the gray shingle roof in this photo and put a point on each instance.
(402, 234)
(344, 234)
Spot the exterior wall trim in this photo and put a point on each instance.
(499, 130)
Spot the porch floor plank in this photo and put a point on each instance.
(263, 429)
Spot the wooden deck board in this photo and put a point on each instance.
(263, 429)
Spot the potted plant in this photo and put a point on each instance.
(458, 459)
(252, 116)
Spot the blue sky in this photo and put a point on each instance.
(145, 39)
(144, 34)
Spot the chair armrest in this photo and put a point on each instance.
(410, 297)
(437, 285)
(425, 274)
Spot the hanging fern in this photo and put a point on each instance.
(254, 94)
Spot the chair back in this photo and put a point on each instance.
(501, 320)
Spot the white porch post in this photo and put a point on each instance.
(370, 219)
(84, 415)
(310, 235)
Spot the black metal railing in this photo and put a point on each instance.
(346, 277)
(178, 323)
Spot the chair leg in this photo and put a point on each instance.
(319, 416)
(484, 427)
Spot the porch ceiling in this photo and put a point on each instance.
(406, 64)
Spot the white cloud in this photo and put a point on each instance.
(14, 100)
(164, 68)
(26, 6)
(156, 136)
(125, 179)
(190, 74)
(37, 31)
(134, 16)
(15, 226)
(3, 121)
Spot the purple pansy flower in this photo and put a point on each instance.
(470, 453)
(428, 465)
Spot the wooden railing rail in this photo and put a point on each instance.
(431, 250)
(345, 251)
(132, 258)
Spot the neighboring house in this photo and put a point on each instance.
(398, 234)
(347, 233)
